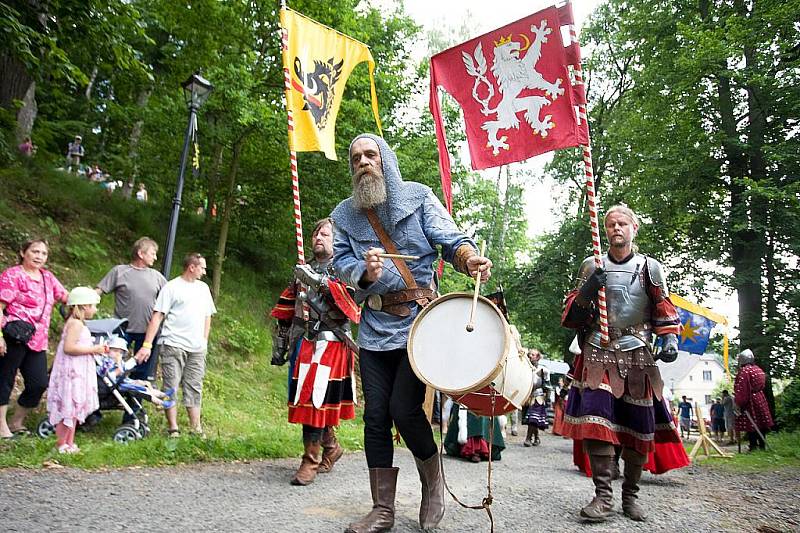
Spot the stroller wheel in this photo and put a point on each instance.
(144, 430)
(126, 434)
(45, 429)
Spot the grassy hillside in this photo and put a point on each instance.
(244, 408)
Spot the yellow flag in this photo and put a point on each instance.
(318, 61)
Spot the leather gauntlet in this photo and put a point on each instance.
(463, 253)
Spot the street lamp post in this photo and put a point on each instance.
(196, 89)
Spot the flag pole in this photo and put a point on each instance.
(591, 195)
(287, 88)
(298, 215)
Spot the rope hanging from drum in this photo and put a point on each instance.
(486, 502)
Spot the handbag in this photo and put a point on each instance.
(20, 330)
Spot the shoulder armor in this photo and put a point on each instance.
(656, 274)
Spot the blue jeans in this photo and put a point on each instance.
(146, 370)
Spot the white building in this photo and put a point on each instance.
(693, 376)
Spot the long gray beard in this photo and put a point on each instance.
(369, 192)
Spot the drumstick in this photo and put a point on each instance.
(471, 323)
(399, 256)
(396, 256)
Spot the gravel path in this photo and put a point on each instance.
(535, 489)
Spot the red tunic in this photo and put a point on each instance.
(749, 396)
(327, 366)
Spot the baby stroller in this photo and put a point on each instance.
(112, 393)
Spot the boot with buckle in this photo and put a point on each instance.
(308, 465)
(431, 509)
(383, 484)
(331, 451)
(602, 505)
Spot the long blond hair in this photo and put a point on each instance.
(78, 312)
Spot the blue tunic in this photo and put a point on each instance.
(417, 234)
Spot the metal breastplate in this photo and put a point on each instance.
(628, 304)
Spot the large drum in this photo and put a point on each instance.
(481, 369)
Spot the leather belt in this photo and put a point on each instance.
(638, 330)
(395, 303)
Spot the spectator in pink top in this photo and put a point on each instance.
(27, 294)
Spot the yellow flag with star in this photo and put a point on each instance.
(317, 61)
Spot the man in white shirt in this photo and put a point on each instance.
(185, 307)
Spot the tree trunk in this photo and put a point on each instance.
(760, 343)
(89, 86)
(745, 250)
(26, 115)
(219, 260)
(133, 143)
(213, 183)
(16, 84)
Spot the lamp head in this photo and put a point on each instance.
(196, 89)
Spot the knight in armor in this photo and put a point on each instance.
(534, 415)
(616, 395)
(312, 332)
(754, 417)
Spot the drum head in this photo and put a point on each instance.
(446, 356)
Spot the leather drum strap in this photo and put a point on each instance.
(388, 244)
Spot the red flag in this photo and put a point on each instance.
(514, 87)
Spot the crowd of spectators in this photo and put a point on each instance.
(28, 293)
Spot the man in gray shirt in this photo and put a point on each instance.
(135, 287)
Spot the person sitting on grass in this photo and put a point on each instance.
(116, 366)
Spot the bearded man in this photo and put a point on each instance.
(314, 332)
(616, 395)
(387, 212)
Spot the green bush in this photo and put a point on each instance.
(787, 407)
(238, 337)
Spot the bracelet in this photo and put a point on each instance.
(148, 345)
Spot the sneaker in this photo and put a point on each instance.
(64, 448)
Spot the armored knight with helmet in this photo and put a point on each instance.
(312, 332)
(616, 395)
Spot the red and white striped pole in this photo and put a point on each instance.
(287, 87)
(592, 198)
(298, 215)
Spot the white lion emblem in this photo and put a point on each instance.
(513, 74)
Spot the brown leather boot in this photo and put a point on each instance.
(308, 465)
(431, 509)
(603, 503)
(615, 473)
(382, 482)
(630, 486)
(331, 451)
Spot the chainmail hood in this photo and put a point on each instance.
(402, 197)
(746, 357)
